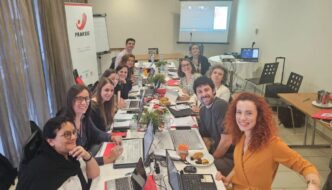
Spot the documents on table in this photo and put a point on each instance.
(123, 116)
(121, 124)
(183, 121)
(180, 107)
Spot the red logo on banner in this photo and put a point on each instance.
(80, 24)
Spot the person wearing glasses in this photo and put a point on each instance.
(199, 61)
(103, 105)
(258, 150)
(188, 75)
(78, 110)
(60, 163)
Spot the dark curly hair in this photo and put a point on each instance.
(265, 123)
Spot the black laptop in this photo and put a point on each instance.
(136, 181)
(188, 181)
(249, 54)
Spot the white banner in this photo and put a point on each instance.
(82, 41)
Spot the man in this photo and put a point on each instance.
(211, 125)
(130, 44)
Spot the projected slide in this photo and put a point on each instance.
(204, 21)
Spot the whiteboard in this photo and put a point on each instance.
(101, 36)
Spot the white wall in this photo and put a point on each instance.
(300, 30)
(153, 23)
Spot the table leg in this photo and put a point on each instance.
(305, 130)
(313, 133)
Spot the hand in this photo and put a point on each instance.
(121, 103)
(224, 179)
(133, 79)
(313, 181)
(184, 97)
(117, 140)
(114, 154)
(195, 108)
(79, 152)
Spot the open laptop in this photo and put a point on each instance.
(133, 149)
(188, 181)
(135, 104)
(189, 137)
(136, 181)
(250, 54)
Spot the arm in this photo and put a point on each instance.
(224, 144)
(226, 180)
(313, 181)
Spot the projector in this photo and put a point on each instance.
(227, 58)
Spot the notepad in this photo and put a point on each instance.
(108, 149)
(325, 114)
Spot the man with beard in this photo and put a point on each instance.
(211, 125)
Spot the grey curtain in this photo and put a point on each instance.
(22, 88)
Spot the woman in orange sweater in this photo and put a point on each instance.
(258, 149)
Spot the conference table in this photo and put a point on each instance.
(303, 102)
(107, 172)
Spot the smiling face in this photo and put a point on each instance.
(123, 73)
(186, 67)
(246, 115)
(130, 45)
(65, 139)
(205, 94)
(130, 62)
(81, 102)
(107, 92)
(217, 76)
(114, 77)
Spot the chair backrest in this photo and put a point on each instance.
(113, 63)
(294, 82)
(7, 173)
(268, 73)
(34, 127)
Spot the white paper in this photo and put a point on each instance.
(183, 121)
(122, 123)
(123, 116)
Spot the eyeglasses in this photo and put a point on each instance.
(185, 65)
(80, 99)
(68, 134)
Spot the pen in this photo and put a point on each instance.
(306, 99)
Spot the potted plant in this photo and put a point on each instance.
(161, 65)
(156, 116)
(158, 79)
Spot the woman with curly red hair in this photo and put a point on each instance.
(258, 150)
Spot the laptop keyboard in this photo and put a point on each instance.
(191, 182)
(122, 184)
(188, 137)
(132, 151)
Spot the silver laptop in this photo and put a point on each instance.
(133, 149)
(135, 104)
(136, 181)
(189, 137)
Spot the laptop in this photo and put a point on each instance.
(181, 181)
(135, 148)
(136, 181)
(189, 137)
(135, 104)
(250, 54)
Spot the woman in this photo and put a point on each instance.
(78, 110)
(111, 75)
(60, 164)
(129, 61)
(187, 76)
(114, 77)
(200, 62)
(124, 85)
(258, 149)
(103, 105)
(218, 74)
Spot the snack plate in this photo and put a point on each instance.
(206, 155)
(329, 105)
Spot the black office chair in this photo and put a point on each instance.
(113, 63)
(271, 94)
(30, 150)
(34, 127)
(7, 173)
(267, 76)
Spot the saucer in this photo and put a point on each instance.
(329, 105)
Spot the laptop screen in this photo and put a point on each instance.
(139, 176)
(173, 175)
(250, 53)
(148, 140)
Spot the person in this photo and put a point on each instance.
(103, 105)
(200, 62)
(211, 125)
(187, 74)
(111, 75)
(114, 77)
(124, 85)
(130, 45)
(258, 150)
(78, 109)
(218, 74)
(60, 163)
(129, 61)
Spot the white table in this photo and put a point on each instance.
(242, 69)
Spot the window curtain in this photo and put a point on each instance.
(22, 87)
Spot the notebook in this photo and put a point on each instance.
(133, 149)
(188, 181)
(136, 181)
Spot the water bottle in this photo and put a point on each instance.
(133, 124)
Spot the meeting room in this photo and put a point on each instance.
(165, 94)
